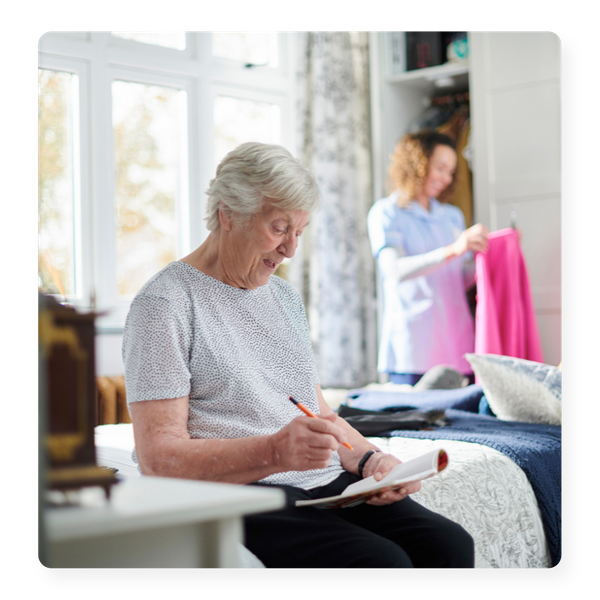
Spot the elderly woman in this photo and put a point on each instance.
(215, 344)
(425, 256)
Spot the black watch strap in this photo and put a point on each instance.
(363, 461)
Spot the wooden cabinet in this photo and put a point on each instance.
(67, 400)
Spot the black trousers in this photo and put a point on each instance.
(400, 535)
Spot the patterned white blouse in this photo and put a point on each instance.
(238, 354)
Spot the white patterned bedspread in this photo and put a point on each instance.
(488, 494)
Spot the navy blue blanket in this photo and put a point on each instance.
(535, 448)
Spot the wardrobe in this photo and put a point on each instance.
(505, 89)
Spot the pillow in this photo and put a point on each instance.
(518, 389)
(441, 377)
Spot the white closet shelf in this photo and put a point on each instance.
(424, 79)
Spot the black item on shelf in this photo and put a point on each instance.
(424, 49)
(450, 36)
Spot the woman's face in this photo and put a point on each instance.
(253, 251)
(440, 171)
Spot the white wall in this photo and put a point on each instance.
(108, 354)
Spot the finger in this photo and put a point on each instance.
(326, 427)
(316, 458)
(321, 441)
(412, 488)
(392, 495)
(302, 457)
(380, 464)
(401, 492)
(381, 471)
(479, 245)
(386, 498)
(303, 437)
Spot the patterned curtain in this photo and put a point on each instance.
(333, 268)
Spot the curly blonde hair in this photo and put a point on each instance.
(409, 162)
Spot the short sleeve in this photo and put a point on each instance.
(156, 350)
(382, 233)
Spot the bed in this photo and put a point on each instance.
(511, 509)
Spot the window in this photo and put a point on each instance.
(57, 192)
(255, 48)
(238, 120)
(174, 40)
(150, 149)
(122, 177)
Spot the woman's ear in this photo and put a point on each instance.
(224, 218)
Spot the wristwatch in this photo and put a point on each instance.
(363, 461)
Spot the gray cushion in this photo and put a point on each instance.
(518, 389)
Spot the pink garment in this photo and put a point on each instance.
(505, 321)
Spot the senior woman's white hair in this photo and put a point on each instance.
(254, 174)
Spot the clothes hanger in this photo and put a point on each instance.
(513, 217)
(513, 222)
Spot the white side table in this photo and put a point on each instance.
(156, 522)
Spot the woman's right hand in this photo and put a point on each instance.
(474, 238)
(306, 443)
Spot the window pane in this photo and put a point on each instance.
(57, 104)
(151, 164)
(238, 121)
(248, 47)
(167, 39)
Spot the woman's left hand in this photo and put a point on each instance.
(379, 465)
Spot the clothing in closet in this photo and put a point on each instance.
(451, 115)
(505, 317)
(458, 127)
(426, 317)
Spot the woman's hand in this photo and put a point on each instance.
(306, 443)
(379, 465)
(474, 238)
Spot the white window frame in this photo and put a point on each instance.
(244, 93)
(83, 244)
(107, 277)
(98, 59)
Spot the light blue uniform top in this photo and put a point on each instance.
(426, 316)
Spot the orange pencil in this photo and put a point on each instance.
(309, 413)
